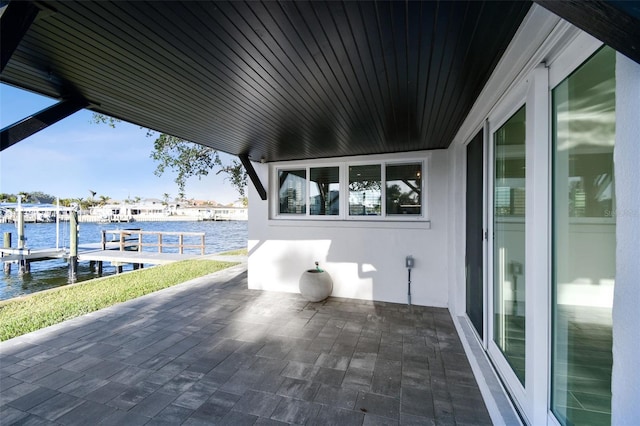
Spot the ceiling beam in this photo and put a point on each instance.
(614, 23)
(244, 159)
(15, 19)
(16, 132)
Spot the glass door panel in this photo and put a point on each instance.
(474, 259)
(509, 242)
(583, 242)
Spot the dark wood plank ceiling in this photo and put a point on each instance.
(614, 22)
(274, 80)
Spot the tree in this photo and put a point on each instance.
(104, 199)
(236, 174)
(91, 201)
(8, 198)
(186, 159)
(41, 197)
(24, 196)
(81, 203)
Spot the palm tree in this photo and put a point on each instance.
(103, 200)
(81, 203)
(91, 201)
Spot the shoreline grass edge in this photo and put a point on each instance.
(39, 310)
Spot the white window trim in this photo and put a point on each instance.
(348, 164)
(277, 193)
(420, 157)
(275, 211)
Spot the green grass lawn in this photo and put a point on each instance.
(239, 252)
(25, 314)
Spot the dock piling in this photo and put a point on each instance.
(73, 246)
(7, 244)
(23, 264)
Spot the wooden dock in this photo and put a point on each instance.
(117, 257)
(86, 253)
(125, 247)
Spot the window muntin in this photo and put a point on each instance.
(365, 190)
(403, 189)
(324, 191)
(292, 192)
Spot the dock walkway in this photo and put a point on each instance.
(92, 254)
(126, 248)
(119, 257)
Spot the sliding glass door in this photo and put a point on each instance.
(474, 256)
(509, 243)
(583, 242)
(552, 219)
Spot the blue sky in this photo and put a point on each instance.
(74, 156)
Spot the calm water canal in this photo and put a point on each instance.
(219, 237)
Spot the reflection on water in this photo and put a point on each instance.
(219, 237)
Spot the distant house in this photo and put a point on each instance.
(212, 213)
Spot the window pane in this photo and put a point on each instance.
(584, 249)
(509, 242)
(404, 189)
(365, 185)
(292, 193)
(324, 191)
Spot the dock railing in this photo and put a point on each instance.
(132, 239)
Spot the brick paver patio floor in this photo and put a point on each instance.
(210, 351)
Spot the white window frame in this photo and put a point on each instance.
(343, 166)
(568, 59)
(277, 191)
(340, 190)
(502, 113)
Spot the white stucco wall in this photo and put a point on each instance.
(625, 406)
(365, 259)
